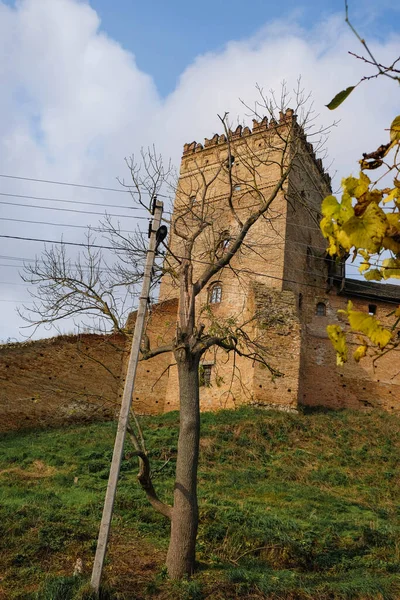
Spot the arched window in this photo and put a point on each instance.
(321, 309)
(215, 294)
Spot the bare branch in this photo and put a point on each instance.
(144, 477)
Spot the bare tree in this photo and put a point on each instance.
(216, 218)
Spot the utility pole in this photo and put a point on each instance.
(125, 405)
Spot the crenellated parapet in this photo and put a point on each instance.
(265, 124)
(240, 132)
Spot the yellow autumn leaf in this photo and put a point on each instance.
(393, 219)
(360, 352)
(365, 231)
(394, 194)
(326, 227)
(389, 244)
(329, 230)
(330, 206)
(362, 185)
(369, 326)
(373, 275)
(375, 196)
(349, 184)
(333, 248)
(346, 209)
(364, 267)
(395, 129)
(338, 339)
(391, 268)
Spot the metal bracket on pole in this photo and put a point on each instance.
(125, 405)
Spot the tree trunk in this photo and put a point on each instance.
(184, 521)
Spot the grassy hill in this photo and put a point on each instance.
(293, 506)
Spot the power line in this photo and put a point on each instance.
(56, 224)
(71, 210)
(80, 185)
(82, 202)
(27, 239)
(69, 201)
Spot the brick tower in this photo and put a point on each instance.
(279, 287)
(276, 271)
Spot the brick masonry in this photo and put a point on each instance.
(284, 275)
(59, 380)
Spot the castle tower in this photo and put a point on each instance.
(277, 269)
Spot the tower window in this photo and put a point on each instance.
(215, 295)
(237, 187)
(372, 309)
(321, 309)
(205, 375)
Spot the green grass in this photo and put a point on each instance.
(292, 506)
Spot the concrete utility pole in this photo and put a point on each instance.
(125, 405)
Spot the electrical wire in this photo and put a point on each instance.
(28, 239)
(71, 210)
(54, 224)
(69, 201)
(83, 202)
(78, 185)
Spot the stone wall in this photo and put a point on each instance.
(154, 375)
(59, 380)
(280, 333)
(73, 378)
(364, 385)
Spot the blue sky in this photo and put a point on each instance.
(85, 84)
(166, 36)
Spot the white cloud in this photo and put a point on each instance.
(74, 103)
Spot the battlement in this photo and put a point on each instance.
(258, 126)
(240, 131)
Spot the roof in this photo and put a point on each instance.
(385, 292)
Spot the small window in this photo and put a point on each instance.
(321, 309)
(215, 294)
(372, 309)
(205, 375)
(237, 187)
(300, 301)
(192, 199)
